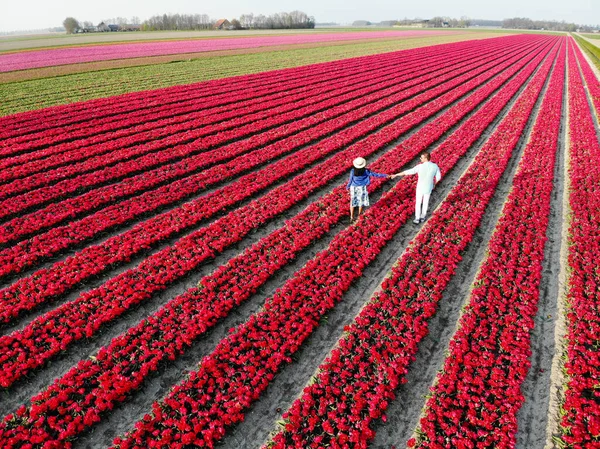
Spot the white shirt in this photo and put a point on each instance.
(426, 171)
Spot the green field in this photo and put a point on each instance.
(590, 49)
(34, 94)
(591, 36)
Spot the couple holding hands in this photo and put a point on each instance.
(360, 177)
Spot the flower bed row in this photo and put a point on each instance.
(198, 410)
(85, 315)
(581, 419)
(478, 394)
(27, 253)
(131, 102)
(123, 365)
(357, 381)
(191, 103)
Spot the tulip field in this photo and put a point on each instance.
(178, 267)
(73, 55)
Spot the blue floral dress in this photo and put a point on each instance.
(359, 196)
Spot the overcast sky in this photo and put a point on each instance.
(35, 14)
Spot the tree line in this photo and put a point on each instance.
(283, 20)
(523, 23)
(439, 22)
(299, 20)
(519, 23)
(178, 22)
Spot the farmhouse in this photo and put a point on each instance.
(222, 24)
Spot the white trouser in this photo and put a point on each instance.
(421, 198)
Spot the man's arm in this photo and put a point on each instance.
(412, 171)
(438, 175)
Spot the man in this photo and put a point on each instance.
(428, 176)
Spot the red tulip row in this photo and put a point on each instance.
(85, 315)
(52, 192)
(27, 253)
(59, 116)
(355, 384)
(581, 419)
(190, 107)
(125, 363)
(478, 393)
(198, 410)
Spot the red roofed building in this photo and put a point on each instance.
(222, 24)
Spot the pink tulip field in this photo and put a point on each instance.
(178, 267)
(89, 53)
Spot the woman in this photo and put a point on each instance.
(360, 178)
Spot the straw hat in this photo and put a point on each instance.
(359, 162)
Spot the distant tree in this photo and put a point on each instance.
(236, 25)
(436, 22)
(71, 25)
(178, 22)
(361, 23)
(523, 23)
(464, 22)
(247, 20)
(87, 24)
(135, 20)
(571, 27)
(486, 23)
(260, 21)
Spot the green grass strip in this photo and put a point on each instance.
(39, 93)
(591, 36)
(590, 49)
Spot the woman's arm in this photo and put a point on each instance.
(350, 180)
(377, 175)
